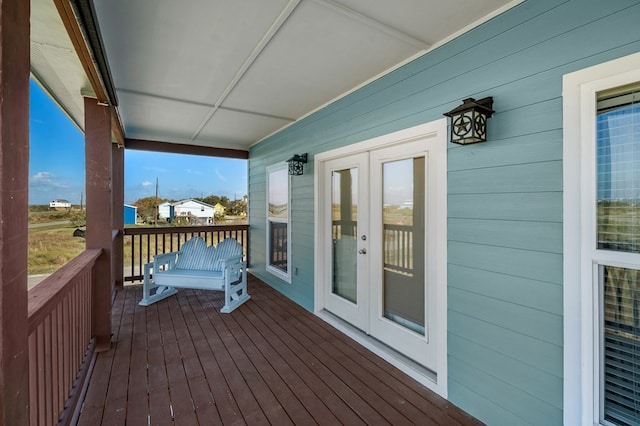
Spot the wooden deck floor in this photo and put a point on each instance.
(181, 362)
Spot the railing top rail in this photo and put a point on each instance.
(184, 229)
(392, 226)
(48, 293)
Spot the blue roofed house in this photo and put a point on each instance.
(502, 275)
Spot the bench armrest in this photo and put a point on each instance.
(231, 261)
(165, 259)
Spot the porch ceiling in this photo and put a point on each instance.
(228, 74)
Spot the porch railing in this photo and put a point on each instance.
(398, 250)
(141, 244)
(61, 346)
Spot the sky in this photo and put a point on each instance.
(56, 164)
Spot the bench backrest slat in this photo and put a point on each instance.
(196, 254)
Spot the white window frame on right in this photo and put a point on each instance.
(583, 261)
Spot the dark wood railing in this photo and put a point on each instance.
(141, 244)
(61, 346)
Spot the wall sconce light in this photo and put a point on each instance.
(295, 164)
(469, 121)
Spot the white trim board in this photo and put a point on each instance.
(579, 99)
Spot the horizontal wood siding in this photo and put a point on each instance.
(504, 196)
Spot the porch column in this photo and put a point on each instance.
(14, 181)
(97, 128)
(117, 166)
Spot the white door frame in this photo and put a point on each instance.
(434, 135)
(355, 313)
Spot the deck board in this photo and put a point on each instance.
(180, 361)
(137, 397)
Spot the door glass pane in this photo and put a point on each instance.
(403, 216)
(344, 214)
(618, 172)
(621, 342)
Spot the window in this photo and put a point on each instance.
(618, 231)
(278, 259)
(602, 244)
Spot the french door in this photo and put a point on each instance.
(346, 292)
(380, 234)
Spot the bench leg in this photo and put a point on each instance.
(150, 296)
(235, 287)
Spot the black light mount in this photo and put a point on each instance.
(295, 164)
(469, 121)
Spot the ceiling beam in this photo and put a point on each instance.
(117, 133)
(202, 104)
(271, 32)
(65, 10)
(179, 148)
(98, 74)
(362, 18)
(88, 23)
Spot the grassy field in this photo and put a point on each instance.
(52, 247)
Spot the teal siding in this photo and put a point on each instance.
(504, 197)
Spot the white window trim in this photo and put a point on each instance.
(275, 271)
(581, 330)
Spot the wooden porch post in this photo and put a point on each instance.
(117, 166)
(14, 204)
(99, 180)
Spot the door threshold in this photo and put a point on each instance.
(416, 371)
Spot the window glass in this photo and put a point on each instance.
(618, 230)
(278, 222)
(279, 194)
(618, 172)
(621, 363)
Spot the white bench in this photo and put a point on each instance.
(199, 266)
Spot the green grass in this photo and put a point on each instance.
(51, 247)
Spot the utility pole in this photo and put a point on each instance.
(155, 220)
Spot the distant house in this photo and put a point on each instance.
(164, 210)
(130, 214)
(60, 204)
(195, 210)
(218, 210)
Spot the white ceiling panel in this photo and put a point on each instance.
(54, 62)
(236, 129)
(317, 55)
(429, 21)
(184, 50)
(229, 73)
(146, 117)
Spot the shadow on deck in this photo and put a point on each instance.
(180, 361)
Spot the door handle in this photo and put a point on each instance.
(362, 251)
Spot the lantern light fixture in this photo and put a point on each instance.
(469, 121)
(295, 164)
